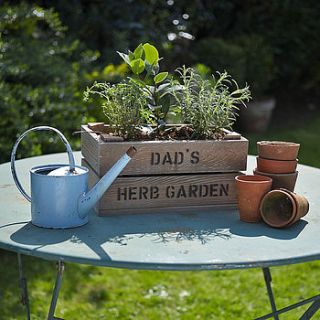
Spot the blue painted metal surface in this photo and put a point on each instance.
(59, 197)
(194, 240)
(54, 202)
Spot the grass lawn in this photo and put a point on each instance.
(105, 293)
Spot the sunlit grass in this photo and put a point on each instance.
(105, 293)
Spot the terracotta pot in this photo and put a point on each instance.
(281, 208)
(280, 180)
(278, 150)
(302, 206)
(250, 191)
(276, 166)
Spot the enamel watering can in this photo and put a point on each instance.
(59, 196)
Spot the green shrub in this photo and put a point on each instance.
(248, 58)
(39, 78)
(110, 73)
(221, 54)
(289, 31)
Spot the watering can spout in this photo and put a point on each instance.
(88, 200)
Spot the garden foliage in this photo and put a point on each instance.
(39, 78)
(279, 39)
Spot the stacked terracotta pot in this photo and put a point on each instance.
(278, 160)
(276, 169)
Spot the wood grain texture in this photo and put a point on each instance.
(90, 147)
(163, 192)
(166, 157)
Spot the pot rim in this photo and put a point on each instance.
(278, 143)
(254, 179)
(261, 173)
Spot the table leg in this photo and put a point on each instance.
(56, 290)
(23, 286)
(311, 310)
(268, 279)
(315, 306)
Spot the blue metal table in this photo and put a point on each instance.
(193, 240)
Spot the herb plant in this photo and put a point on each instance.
(139, 106)
(209, 105)
(144, 63)
(123, 105)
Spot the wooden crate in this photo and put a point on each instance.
(165, 192)
(166, 157)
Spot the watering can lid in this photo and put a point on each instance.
(65, 171)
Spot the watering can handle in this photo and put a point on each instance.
(15, 147)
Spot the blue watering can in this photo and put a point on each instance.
(59, 196)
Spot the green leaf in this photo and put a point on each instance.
(160, 77)
(138, 82)
(163, 86)
(152, 89)
(148, 67)
(137, 66)
(131, 56)
(125, 57)
(165, 106)
(151, 53)
(155, 68)
(138, 51)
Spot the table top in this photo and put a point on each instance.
(194, 240)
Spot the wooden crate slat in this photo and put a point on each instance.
(166, 157)
(183, 210)
(90, 148)
(143, 193)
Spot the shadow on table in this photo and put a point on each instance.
(203, 227)
(42, 237)
(30, 234)
(261, 229)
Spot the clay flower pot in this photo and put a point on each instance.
(276, 166)
(280, 180)
(250, 191)
(278, 150)
(281, 208)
